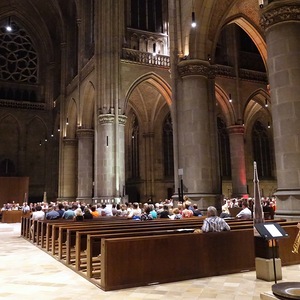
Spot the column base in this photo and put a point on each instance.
(287, 204)
(265, 269)
(87, 200)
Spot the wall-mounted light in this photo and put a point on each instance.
(230, 98)
(261, 3)
(67, 123)
(266, 102)
(194, 24)
(8, 27)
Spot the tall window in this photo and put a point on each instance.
(224, 150)
(261, 150)
(135, 148)
(168, 147)
(147, 15)
(18, 64)
(89, 28)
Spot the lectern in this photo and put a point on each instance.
(271, 232)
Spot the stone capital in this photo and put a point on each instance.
(70, 142)
(236, 129)
(122, 120)
(195, 67)
(279, 14)
(105, 119)
(85, 133)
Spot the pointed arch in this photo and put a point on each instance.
(256, 103)
(156, 81)
(86, 115)
(255, 36)
(225, 106)
(71, 119)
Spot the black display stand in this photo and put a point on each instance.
(271, 231)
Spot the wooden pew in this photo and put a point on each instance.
(94, 243)
(146, 260)
(212, 254)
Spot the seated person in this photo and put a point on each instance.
(196, 210)
(245, 213)
(165, 213)
(78, 214)
(87, 214)
(52, 213)
(213, 223)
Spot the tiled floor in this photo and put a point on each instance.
(27, 272)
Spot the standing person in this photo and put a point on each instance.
(213, 223)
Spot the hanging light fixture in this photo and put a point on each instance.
(261, 3)
(8, 27)
(67, 123)
(230, 98)
(269, 125)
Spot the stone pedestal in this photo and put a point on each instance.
(265, 269)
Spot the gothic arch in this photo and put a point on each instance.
(87, 112)
(256, 105)
(225, 106)
(156, 81)
(70, 119)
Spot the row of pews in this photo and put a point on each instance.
(115, 253)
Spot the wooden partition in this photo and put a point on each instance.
(13, 189)
(12, 216)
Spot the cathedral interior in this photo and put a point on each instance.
(108, 100)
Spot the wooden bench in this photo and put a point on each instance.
(128, 262)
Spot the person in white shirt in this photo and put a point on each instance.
(245, 213)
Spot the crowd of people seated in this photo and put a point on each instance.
(137, 211)
(246, 207)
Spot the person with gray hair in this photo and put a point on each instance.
(213, 223)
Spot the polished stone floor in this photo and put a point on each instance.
(28, 273)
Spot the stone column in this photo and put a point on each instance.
(109, 157)
(237, 156)
(105, 152)
(85, 165)
(69, 170)
(120, 184)
(281, 21)
(197, 134)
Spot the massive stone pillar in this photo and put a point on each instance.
(197, 143)
(281, 21)
(69, 170)
(237, 156)
(110, 157)
(85, 165)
